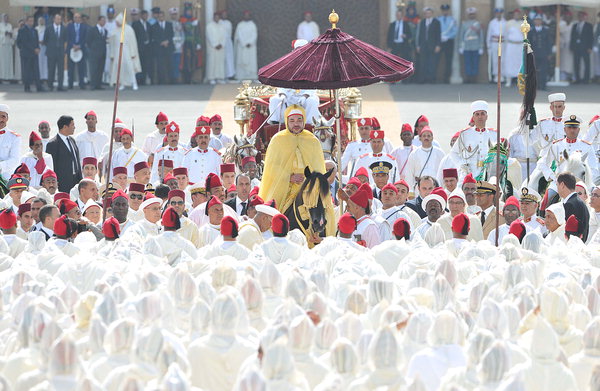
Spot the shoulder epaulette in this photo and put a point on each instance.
(555, 141)
(586, 142)
(541, 221)
(544, 119)
(218, 153)
(363, 155)
(390, 156)
(15, 133)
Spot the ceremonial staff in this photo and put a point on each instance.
(499, 88)
(114, 115)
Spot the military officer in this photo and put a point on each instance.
(356, 149)
(529, 202)
(202, 160)
(549, 129)
(554, 154)
(593, 134)
(173, 151)
(10, 145)
(376, 154)
(471, 148)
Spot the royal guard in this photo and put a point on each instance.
(8, 227)
(92, 141)
(389, 212)
(355, 149)
(549, 129)
(119, 177)
(202, 160)
(128, 155)
(425, 160)
(228, 175)
(164, 168)
(403, 152)
(37, 160)
(218, 140)
(401, 229)
(529, 203)
(376, 154)
(172, 151)
(367, 232)
(471, 148)
(153, 140)
(380, 171)
(250, 168)
(593, 134)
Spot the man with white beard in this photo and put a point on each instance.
(279, 248)
(244, 42)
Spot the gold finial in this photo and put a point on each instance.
(525, 27)
(333, 19)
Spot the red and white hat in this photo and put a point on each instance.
(367, 121)
(202, 131)
(172, 127)
(376, 134)
(150, 199)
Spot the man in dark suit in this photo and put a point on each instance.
(240, 202)
(96, 45)
(572, 203)
(428, 46)
(65, 155)
(55, 39)
(76, 40)
(399, 36)
(29, 48)
(582, 43)
(162, 42)
(425, 186)
(142, 35)
(539, 37)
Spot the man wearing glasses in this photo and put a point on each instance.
(188, 230)
(136, 197)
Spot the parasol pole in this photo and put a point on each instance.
(114, 114)
(338, 136)
(499, 89)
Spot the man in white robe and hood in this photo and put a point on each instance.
(279, 248)
(147, 226)
(130, 63)
(170, 241)
(210, 232)
(555, 224)
(8, 226)
(229, 245)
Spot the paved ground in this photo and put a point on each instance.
(447, 106)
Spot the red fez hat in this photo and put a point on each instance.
(401, 228)
(256, 200)
(365, 122)
(367, 189)
(169, 177)
(138, 187)
(91, 112)
(375, 123)
(229, 227)
(24, 208)
(362, 171)
(215, 118)
(253, 192)
(426, 129)
(61, 196)
(512, 200)
(518, 229)
(119, 170)
(354, 181)
(201, 130)
(203, 118)
(402, 182)
(8, 219)
(165, 163)
(65, 205)
(111, 228)
(161, 117)
(247, 12)
(119, 193)
(307, 13)
(172, 128)
(125, 131)
(441, 192)
(461, 224)
(176, 193)
(180, 171)
(360, 198)
(22, 169)
(64, 226)
(212, 180)
(391, 187)
(450, 173)
(170, 219)
(33, 137)
(140, 166)
(572, 225)
(469, 179)
(248, 159)
(212, 202)
(280, 225)
(90, 160)
(43, 122)
(406, 128)
(376, 134)
(347, 224)
(232, 188)
(49, 174)
(422, 118)
(227, 167)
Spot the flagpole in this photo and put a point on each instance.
(499, 96)
(114, 114)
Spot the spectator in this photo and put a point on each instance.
(55, 38)
(42, 59)
(76, 42)
(7, 71)
(27, 41)
(471, 45)
(162, 42)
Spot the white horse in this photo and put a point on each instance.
(323, 130)
(242, 146)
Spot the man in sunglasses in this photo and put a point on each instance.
(136, 197)
(188, 229)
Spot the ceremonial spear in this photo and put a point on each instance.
(114, 114)
(499, 88)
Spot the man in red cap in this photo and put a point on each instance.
(362, 175)
(163, 168)
(355, 149)
(188, 230)
(89, 166)
(456, 205)
(211, 231)
(366, 231)
(573, 227)
(173, 151)
(228, 174)
(202, 160)
(50, 182)
(111, 229)
(461, 225)
(518, 229)
(119, 177)
(346, 227)
(173, 245)
(425, 160)
(36, 160)
(8, 226)
(214, 186)
(141, 173)
(218, 140)
(450, 178)
(91, 142)
(389, 212)
(229, 245)
(128, 155)
(376, 154)
(279, 248)
(511, 212)
(403, 152)
(120, 210)
(249, 167)
(65, 231)
(401, 229)
(135, 192)
(154, 140)
(401, 203)
(469, 187)
(25, 220)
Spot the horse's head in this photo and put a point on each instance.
(323, 129)
(314, 189)
(490, 161)
(245, 145)
(574, 164)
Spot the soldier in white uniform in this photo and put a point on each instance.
(570, 144)
(549, 129)
(519, 150)
(155, 139)
(424, 160)
(593, 134)
(202, 160)
(471, 148)
(173, 151)
(377, 154)
(128, 155)
(356, 149)
(10, 145)
(529, 203)
(218, 140)
(91, 142)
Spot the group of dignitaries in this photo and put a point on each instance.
(387, 193)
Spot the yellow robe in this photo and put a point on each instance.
(289, 154)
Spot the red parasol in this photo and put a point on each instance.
(335, 60)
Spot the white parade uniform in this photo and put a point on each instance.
(35, 178)
(128, 158)
(307, 30)
(200, 163)
(208, 234)
(152, 142)
(215, 143)
(555, 152)
(546, 132)
(222, 139)
(495, 28)
(367, 231)
(91, 144)
(593, 136)
(423, 161)
(244, 43)
(471, 149)
(353, 151)
(402, 154)
(305, 98)
(518, 150)
(368, 158)
(167, 153)
(534, 223)
(10, 152)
